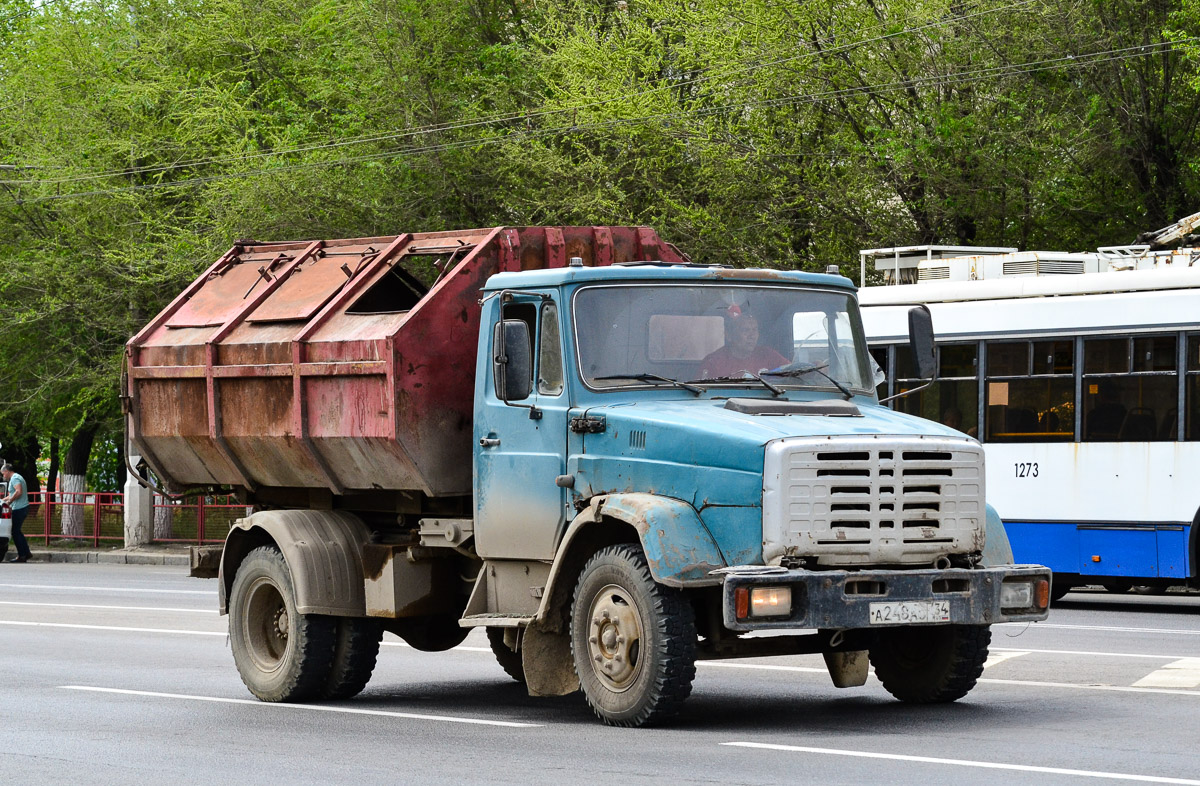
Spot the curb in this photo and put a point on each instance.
(114, 557)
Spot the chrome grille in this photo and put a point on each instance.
(884, 500)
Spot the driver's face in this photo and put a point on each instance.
(745, 335)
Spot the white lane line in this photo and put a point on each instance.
(116, 608)
(113, 628)
(761, 666)
(1080, 686)
(1109, 628)
(209, 592)
(1183, 673)
(810, 670)
(998, 656)
(1094, 653)
(987, 765)
(310, 707)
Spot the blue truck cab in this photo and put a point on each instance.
(670, 457)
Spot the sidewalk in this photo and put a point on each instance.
(139, 555)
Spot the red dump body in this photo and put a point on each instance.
(328, 365)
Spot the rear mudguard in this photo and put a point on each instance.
(323, 550)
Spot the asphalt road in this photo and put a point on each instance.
(122, 674)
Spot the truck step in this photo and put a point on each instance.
(496, 620)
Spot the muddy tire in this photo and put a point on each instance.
(633, 640)
(509, 660)
(355, 649)
(281, 655)
(930, 664)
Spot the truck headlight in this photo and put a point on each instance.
(1015, 595)
(770, 601)
(762, 602)
(1025, 594)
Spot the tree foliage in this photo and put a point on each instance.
(138, 140)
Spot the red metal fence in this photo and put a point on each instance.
(97, 517)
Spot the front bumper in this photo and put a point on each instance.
(842, 599)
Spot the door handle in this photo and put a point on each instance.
(488, 442)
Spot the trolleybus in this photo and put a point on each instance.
(1080, 374)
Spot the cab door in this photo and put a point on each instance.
(520, 512)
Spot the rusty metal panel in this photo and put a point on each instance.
(312, 283)
(263, 372)
(224, 292)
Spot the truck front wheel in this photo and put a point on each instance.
(280, 654)
(930, 664)
(509, 659)
(633, 640)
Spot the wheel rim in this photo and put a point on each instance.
(266, 625)
(615, 638)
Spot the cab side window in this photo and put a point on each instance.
(550, 364)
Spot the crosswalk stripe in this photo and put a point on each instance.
(995, 657)
(1183, 673)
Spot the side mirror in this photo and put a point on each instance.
(512, 360)
(920, 341)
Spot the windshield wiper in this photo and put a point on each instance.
(800, 369)
(775, 390)
(653, 378)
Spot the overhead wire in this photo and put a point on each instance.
(530, 116)
(1069, 61)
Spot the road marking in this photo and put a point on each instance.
(116, 608)
(987, 765)
(113, 628)
(1000, 656)
(1183, 673)
(310, 707)
(1095, 653)
(1172, 689)
(1081, 686)
(210, 593)
(761, 666)
(1108, 628)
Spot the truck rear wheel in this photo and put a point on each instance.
(633, 640)
(280, 654)
(930, 664)
(356, 647)
(508, 659)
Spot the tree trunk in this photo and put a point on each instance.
(74, 480)
(164, 519)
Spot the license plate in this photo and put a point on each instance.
(908, 611)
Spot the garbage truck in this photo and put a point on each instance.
(616, 461)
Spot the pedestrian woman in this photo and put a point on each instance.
(18, 500)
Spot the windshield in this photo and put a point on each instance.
(718, 335)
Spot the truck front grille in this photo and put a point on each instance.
(881, 500)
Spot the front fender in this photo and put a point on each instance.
(997, 550)
(680, 549)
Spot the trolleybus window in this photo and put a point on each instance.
(1130, 389)
(1193, 389)
(879, 355)
(1030, 391)
(954, 398)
